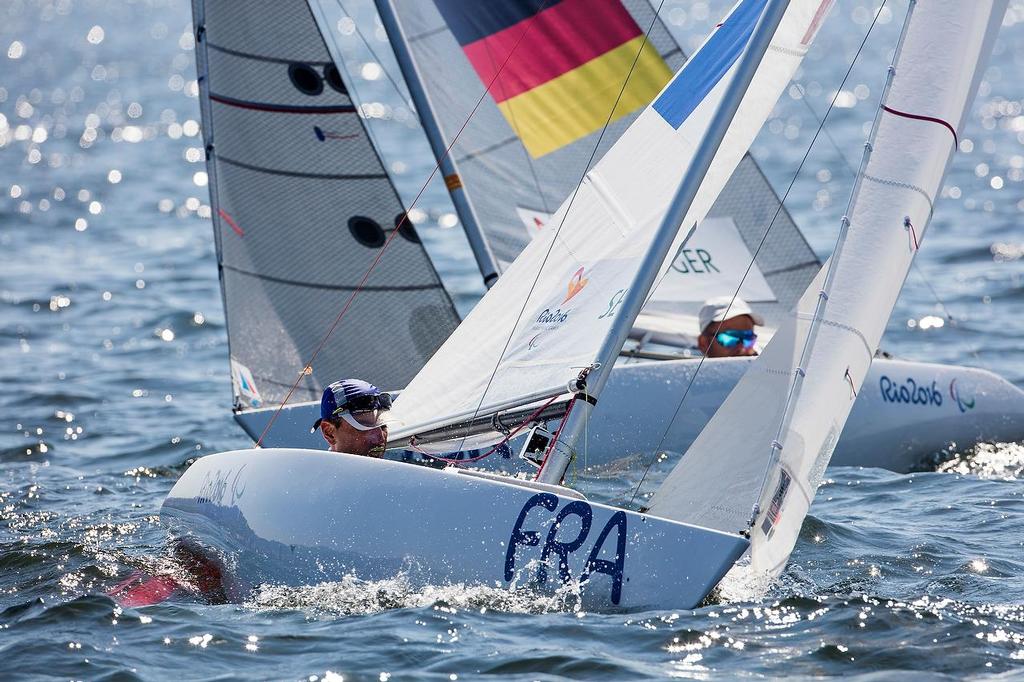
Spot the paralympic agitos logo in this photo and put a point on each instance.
(954, 393)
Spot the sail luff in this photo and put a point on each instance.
(428, 119)
(651, 265)
(206, 117)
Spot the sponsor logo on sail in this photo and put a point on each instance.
(613, 304)
(576, 285)
(532, 345)
(961, 402)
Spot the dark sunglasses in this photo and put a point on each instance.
(733, 337)
(366, 403)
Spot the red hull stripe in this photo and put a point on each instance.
(560, 39)
(930, 119)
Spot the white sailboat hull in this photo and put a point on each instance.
(297, 517)
(905, 413)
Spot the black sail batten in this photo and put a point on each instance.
(301, 205)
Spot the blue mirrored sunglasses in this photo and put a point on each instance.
(733, 337)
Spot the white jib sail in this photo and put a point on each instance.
(548, 315)
(719, 480)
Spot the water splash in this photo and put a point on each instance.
(352, 596)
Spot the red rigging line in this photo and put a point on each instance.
(308, 368)
(922, 117)
(909, 227)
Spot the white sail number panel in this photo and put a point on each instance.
(711, 263)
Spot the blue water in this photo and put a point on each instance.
(113, 370)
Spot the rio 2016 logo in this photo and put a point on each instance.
(909, 392)
(961, 402)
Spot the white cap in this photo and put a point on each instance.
(725, 308)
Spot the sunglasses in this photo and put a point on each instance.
(366, 403)
(731, 338)
(365, 413)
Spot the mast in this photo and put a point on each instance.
(481, 251)
(562, 451)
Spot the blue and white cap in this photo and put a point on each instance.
(353, 396)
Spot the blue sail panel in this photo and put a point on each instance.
(702, 73)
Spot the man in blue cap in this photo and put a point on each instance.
(353, 418)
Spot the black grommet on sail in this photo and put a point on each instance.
(333, 78)
(366, 231)
(406, 229)
(305, 79)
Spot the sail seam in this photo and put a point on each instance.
(840, 325)
(487, 150)
(788, 51)
(791, 268)
(331, 287)
(261, 58)
(283, 108)
(297, 174)
(426, 34)
(263, 379)
(902, 185)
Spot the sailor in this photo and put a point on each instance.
(728, 328)
(353, 418)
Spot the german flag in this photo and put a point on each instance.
(569, 59)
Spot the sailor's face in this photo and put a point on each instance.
(343, 437)
(711, 346)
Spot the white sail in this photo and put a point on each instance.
(547, 317)
(301, 208)
(821, 364)
(515, 193)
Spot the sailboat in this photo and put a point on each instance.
(280, 300)
(538, 337)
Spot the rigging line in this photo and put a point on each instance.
(503, 441)
(757, 251)
(308, 369)
(398, 90)
(953, 322)
(572, 199)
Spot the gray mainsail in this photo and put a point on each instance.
(301, 208)
(510, 187)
